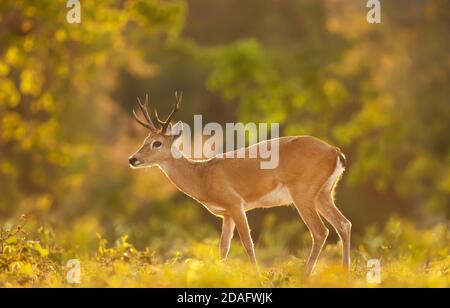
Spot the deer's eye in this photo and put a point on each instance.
(156, 144)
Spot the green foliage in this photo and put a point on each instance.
(409, 258)
(22, 259)
(50, 72)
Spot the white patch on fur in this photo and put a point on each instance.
(277, 197)
(335, 176)
(215, 207)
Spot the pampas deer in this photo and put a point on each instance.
(306, 176)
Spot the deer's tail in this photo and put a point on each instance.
(331, 183)
(341, 157)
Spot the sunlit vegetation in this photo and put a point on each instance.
(378, 91)
(409, 258)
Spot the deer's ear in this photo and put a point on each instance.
(176, 130)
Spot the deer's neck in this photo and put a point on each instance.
(185, 174)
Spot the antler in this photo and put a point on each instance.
(165, 124)
(144, 110)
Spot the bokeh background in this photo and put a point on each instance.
(378, 91)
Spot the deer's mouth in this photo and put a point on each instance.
(134, 162)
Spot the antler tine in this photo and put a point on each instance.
(140, 121)
(160, 122)
(166, 123)
(144, 110)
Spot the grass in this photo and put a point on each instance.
(409, 258)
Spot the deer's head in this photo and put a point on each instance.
(157, 146)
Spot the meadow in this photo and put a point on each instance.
(409, 257)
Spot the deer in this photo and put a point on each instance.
(306, 177)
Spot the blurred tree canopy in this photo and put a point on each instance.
(378, 91)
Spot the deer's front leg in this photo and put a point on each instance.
(240, 219)
(227, 234)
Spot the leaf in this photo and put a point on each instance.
(36, 246)
(31, 82)
(11, 240)
(26, 270)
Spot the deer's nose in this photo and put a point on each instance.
(133, 161)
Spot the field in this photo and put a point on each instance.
(409, 258)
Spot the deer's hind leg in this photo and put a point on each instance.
(319, 233)
(340, 223)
